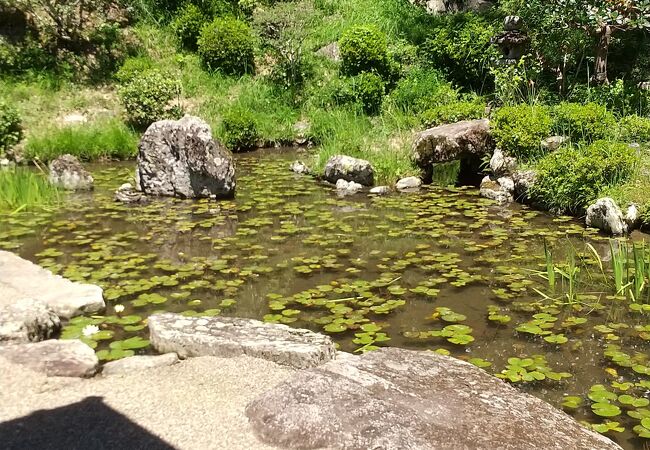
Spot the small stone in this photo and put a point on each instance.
(136, 364)
(299, 167)
(524, 180)
(230, 337)
(67, 172)
(126, 193)
(554, 142)
(512, 23)
(501, 165)
(54, 358)
(301, 130)
(330, 51)
(347, 187)
(380, 190)
(494, 190)
(408, 183)
(606, 215)
(349, 169)
(75, 119)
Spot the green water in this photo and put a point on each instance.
(367, 271)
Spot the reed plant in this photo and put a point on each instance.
(24, 189)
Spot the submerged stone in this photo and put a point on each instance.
(230, 337)
(54, 358)
(179, 158)
(349, 169)
(408, 183)
(380, 190)
(500, 190)
(67, 172)
(347, 187)
(402, 399)
(299, 167)
(126, 193)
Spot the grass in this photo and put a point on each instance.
(109, 139)
(23, 189)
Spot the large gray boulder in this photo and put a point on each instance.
(606, 215)
(342, 167)
(230, 337)
(179, 158)
(67, 172)
(470, 139)
(54, 358)
(63, 297)
(403, 399)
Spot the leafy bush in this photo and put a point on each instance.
(453, 112)
(132, 68)
(588, 123)
(569, 179)
(460, 45)
(110, 139)
(227, 45)
(187, 26)
(369, 90)
(635, 129)
(364, 49)
(148, 98)
(240, 130)
(11, 130)
(519, 130)
(420, 90)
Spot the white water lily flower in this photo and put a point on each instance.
(118, 308)
(89, 330)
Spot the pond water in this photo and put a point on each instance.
(442, 269)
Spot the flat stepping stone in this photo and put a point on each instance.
(135, 364)
(54, 358)
(64, 297)
(402, 399)
(230, 337)
(24, 319)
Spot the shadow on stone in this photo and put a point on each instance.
(88, 424)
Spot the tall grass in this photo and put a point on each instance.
(23, 189)
(109, 139)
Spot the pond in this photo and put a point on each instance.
(442, 269)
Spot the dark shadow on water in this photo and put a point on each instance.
(87, 425)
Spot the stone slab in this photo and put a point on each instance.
(403, 399)
(230, 337)
(55, 358)
(135, 364)
(24, 319)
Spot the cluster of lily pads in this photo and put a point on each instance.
(441, 270)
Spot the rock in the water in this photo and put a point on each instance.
(408, 183)
(330, 51)
(134, 364)
(501, 164)
(523, 179)
(608, 217)
(501, 190)
(349, 169)
(470, 139)
(347, 187)
(299, 167)
(179, 158)
(55, 358)
(229, 337)
(127, 194)
(64, 297)
(380, 190)
(67, 172)
(553, 143)
(402, 399)
(24, 319)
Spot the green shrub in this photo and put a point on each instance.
(364, 49)
(148, 98)
(110, 139)
(569, 179)
(460, 46)
(519, 130)
(635, 129)
(240, 130)
(588, 123)
(369, 90)
(132, 68)
(420, 90)
(11, 130)
(453, 112)
(187, 26)
(227, 45)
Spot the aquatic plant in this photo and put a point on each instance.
(23, 189)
